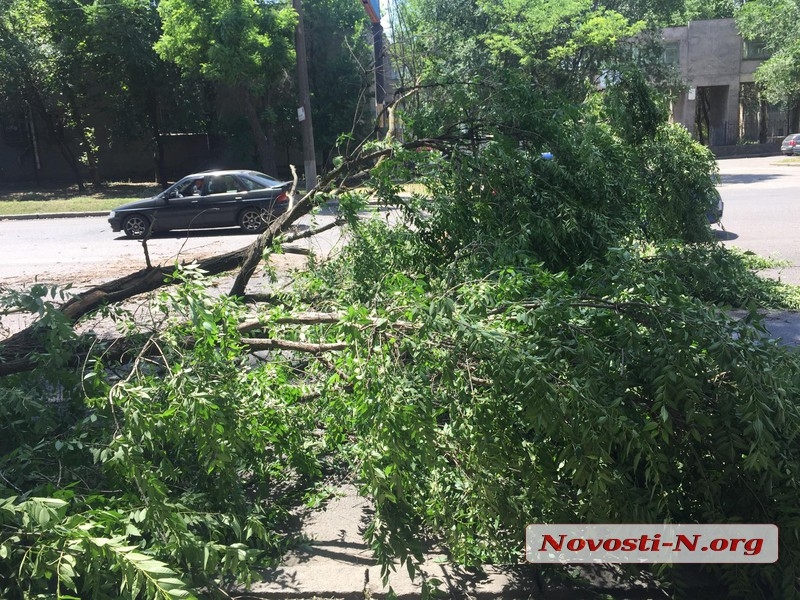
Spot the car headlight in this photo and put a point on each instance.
(111, 216)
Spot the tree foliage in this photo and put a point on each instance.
(558, 361)
(244, 46)
(698, 10)
(773, 23)
(43, 76)
(89, 76)
(341, 71)
(96, 76)
(192, 464)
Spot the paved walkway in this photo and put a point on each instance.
(335, 563)
(782, 325)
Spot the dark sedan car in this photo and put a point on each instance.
(248, 199)
(717, 206)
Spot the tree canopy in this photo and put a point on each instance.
(95, 76)
(245, 46)
(772, 23)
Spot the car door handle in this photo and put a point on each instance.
(238, 197)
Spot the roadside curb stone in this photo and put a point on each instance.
(64, 215)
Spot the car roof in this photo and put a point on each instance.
(226, 172)
(216, 172)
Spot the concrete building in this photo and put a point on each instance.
(720, 105)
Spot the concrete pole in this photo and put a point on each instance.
(304, 109)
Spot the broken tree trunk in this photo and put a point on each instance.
(16, 351)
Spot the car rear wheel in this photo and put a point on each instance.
(253, 220)
(135, 226)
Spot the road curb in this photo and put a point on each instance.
(67, 215)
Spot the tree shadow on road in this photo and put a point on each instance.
(750, 177)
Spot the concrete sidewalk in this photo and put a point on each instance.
(335, 563)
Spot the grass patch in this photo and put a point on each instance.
(69, 199)
(789, 161)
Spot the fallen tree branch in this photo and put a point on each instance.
(16, 351)
(319, 318)
(300, 235)
(307, 318)
(256, 344)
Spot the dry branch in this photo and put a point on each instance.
(256, 344)
(15, 351)
(319, 318)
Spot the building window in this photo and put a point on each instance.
(672, 53)
(755, 50)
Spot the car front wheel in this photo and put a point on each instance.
(135, 226)
(252, 220)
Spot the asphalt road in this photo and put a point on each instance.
(762, 210)
(762, 214)
(84, 251)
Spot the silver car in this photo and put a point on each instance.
(789, 143)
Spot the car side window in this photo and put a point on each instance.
(241, 184)
(184, 188)
(217, 185)
(250, 185)
(223, 184)
(232, 183)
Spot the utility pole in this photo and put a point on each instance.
(374, 11)
(304, 110)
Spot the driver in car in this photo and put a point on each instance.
(197, 187)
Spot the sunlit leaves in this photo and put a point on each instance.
(525, 396)
(239, 43)
(773, 22)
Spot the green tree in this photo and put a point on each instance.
(90, 75)
(773, 23)
(539, 336)
(245, 47)
(137, 87)
(340, 70)
(41, 75)
(703, 9)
